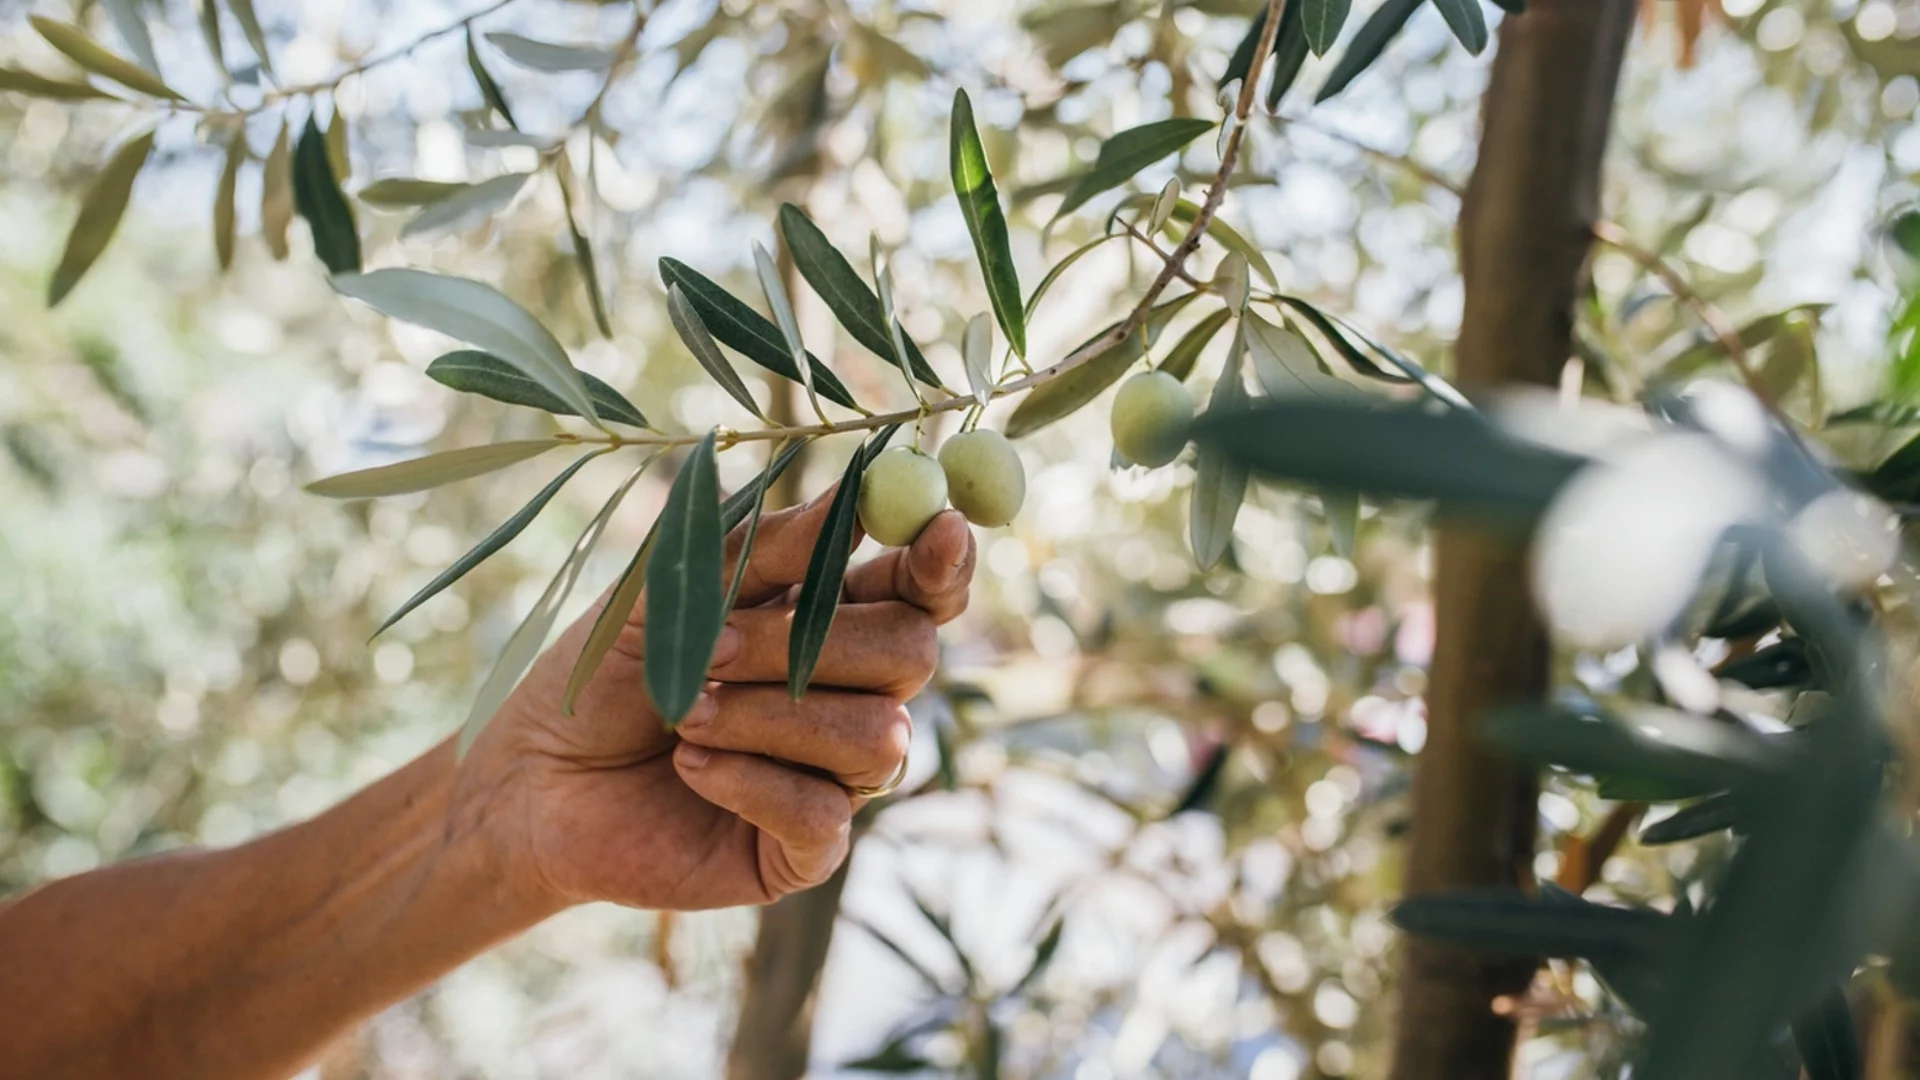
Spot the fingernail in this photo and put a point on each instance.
(704, 709)
(694, 757)
(729, 645)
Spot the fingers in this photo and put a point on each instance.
(860, 738)
(781, 550)
(806, 818)
(888, 648)
(933, 574)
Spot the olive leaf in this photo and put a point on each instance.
(1828, 1040)
(1129, 151)
(826, 572)
(986, 223)
(896, 334)
(405, 192)
(223, 195)
(316, 194)
(1510, 921)
(1060, 268)
(1672, 750)
(582, 246)
(479, 315)
(758, 493)
(488, 138)
(775, 291)
(276, 194)
(546, 56)
(249, 21)
(489, 90)
(1186, 352)
(746, 331)
(524, 645)
(1289, 56)
(100, 213)
(1711, 814)
(1287, 366)
(32, 85)
(1185, 213)
(338, 158)
(432, 471)
(93, 57)
(978, 353)
(473, 372)
(685, 608)
(475, 202)
(693, 333)
(846, 295)
(1368, 43)
(1341, 508)
(1220, 480)
(1067, 394)
(1322, 20)
(208, 12)
(126, 20)
(1467, 22)
(495, 540)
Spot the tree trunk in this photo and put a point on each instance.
(1524, 231)
(774, 1036)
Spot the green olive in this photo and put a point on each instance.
(1151, 415)
(984, 477)
(903, 490)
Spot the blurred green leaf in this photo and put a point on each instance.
(745, 330)
(1322, 20)
(1509, 921)
(208, 15)
(611, 620)
(1342, 510)
(276, 194)
(524, 646)
(819, 598)
(316, 194)
(100, 212)
(1784, 663)
(1467, 22)
(546, 56)
(1053, 274)
(431, 471)
(1287, 366)
(494, 541)
(1180, 359)
(489, 89)
(1368, 43)
(742, 502)
(90, 55)
(249, 21)
(980, 203)
(744, 558)
(1664, 747)
(685, 591)
(132, 28)
(26, 82)
(1391, 450)
(775, 291)
(1289, 56)
(1709, 815)
(1828, 1042)
(1067, 394)
(977, 353)
(846, 295)
(693, 333)
(336, 143)
(1220, 480)
(1751, 336)
(1205, 782)
(473, 203)
(471, 371)
(1129, 151)
(582, 246)
(223, 196)
(479, 315)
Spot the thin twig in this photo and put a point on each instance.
(1134, 231)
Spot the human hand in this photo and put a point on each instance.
(747, 801)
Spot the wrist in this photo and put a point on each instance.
(488, 844)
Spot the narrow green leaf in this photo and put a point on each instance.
(89, 54)
(1287, 366)
(1186, 352)
(1827, 1039)
(524, 646)
(488, 138)
(26, 82)
(741, 503)
(1509, 921)
(693, 333)
(476, 203)
(1709, 815)
(1368, 43)
(546, 56)
(1207, 781)
(1342, 511)
(583, 246)
(316, 194)
(819, 598)
(249, 21)
(1390, 450)
(495, 540)
(1240, 63)
(977, 352)
(1067, 394)
(685, 599)
(126, 20)
(1322, 20)
(100, 213)
(1784, 663)
(745, 556)
(775, 291)
(208, 13)
(1228, 237)
(479, 315)
(1677, 751)
(432, 471)
(471, 371)
(1220, 480)
(1128, 152)
(1751, 336)
(223, 195)
(489, 90)
(746, 331)
(1355, 357)
(1060, 267)
(276, 194)
(338, 158)
(1289, 56)
(986, 223)
(404, 192)
(846, 295)
(1467, 22)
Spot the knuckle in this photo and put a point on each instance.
(826, 817)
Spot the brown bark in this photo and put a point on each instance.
(1524, 231)
(774, 1036)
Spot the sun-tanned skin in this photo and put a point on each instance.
(246, 962)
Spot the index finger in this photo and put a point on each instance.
(933, 573)
(781, 550)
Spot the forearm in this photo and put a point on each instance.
(246, 962)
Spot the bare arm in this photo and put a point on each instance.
(245, 963)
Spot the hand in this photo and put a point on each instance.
(737, 806)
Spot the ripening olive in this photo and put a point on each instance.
(903, 490)
(1151, 415)
(984, 477)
